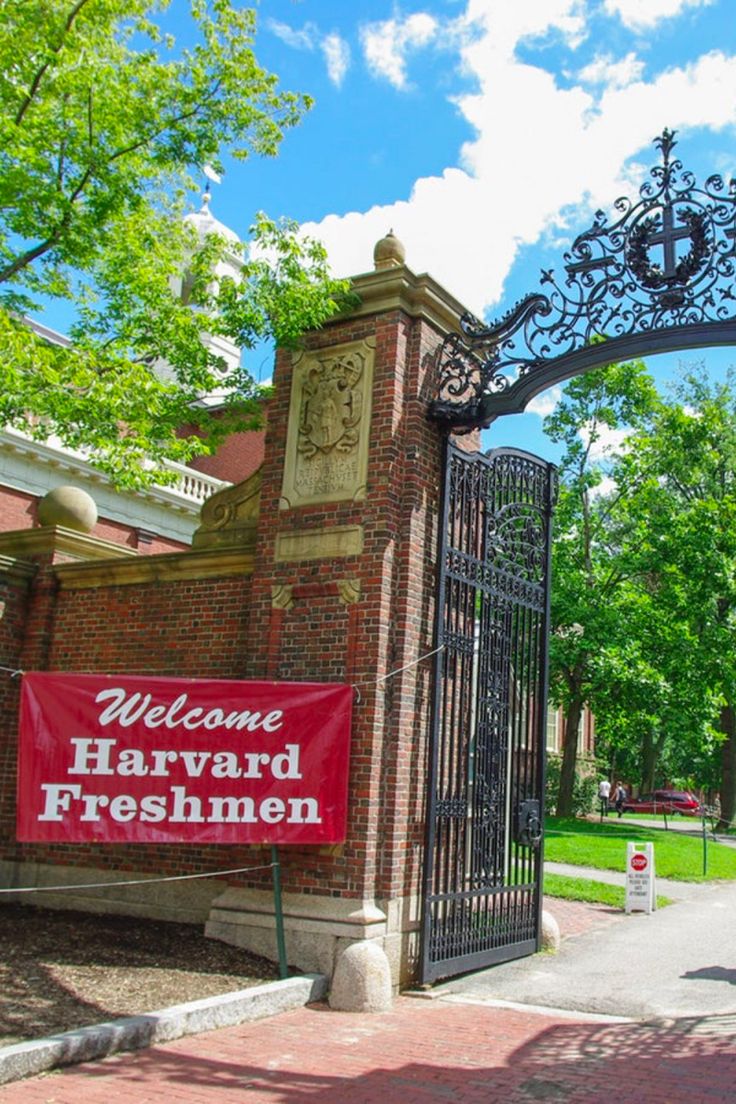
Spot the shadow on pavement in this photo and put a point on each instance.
(713, 973)
(436, 1053)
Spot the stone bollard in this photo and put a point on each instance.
(550, 932)
(362, 980)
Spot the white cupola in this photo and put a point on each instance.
(228, 267)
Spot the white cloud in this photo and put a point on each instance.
(643, 14)
(615, 74)
(337, 56)
(509, 22)
(606, 487)
(335, 50)
(304, 39)
(539, 151)
(607, 443)
(386, 44)
(545, 404)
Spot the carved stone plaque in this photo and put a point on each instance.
(329, 422)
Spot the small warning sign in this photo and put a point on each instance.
(640, 890)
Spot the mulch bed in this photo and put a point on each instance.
(61, 970)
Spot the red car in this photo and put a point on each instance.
(664, 801)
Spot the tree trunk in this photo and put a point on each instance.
(569, 757)
(651, 749)
(728, 766)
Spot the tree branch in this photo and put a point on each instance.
(38, 250)
(36, 82)
(167, 125)
(30, 255)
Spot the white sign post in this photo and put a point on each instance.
(640, 890)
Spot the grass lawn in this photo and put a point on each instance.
(603, 846)
(585, 889)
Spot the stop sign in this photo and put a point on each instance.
(638, 862)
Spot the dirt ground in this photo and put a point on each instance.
(60, 970)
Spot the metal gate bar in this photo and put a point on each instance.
(482, 885)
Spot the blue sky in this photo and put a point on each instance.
(484, 132)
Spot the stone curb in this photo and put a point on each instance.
(134, 1032)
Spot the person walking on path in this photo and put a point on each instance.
(619, 797)
(604, 794)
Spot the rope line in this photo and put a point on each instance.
(382, 678)
(413, 663)
(138, 881)
(398, 671)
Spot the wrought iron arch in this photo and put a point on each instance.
(658, 277)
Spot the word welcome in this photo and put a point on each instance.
(128, 709)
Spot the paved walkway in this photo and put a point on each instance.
(680, 960)
(666, 887)
(468, 1042)
(422, 1052)
(687, 826)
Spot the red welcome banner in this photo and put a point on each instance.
(131, 759)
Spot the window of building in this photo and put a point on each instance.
(553, 728)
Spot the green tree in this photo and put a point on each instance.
(651, 697)
(684, 466)
(588, 566)
(104, 120)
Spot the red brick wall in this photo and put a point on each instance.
(17, 509)
(238, 456)
(13, 607)
(230, 628)
(391, 625)
(146, 544)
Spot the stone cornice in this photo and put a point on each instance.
(15, 570)
(49, 540)
(401, 289)
(166, 568)
(36, 467)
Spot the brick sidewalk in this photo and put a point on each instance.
(578, 917)
(422, 1052)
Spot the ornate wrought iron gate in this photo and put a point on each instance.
(482, 892)
(626, 292)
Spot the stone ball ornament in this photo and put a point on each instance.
(69, 507)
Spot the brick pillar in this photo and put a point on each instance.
(343, 590)
(15, 580)
(29, 590)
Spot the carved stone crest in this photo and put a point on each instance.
(332, 403)
(329, 420)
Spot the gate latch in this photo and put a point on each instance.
(529, 823)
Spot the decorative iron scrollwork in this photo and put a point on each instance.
(659, 275)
